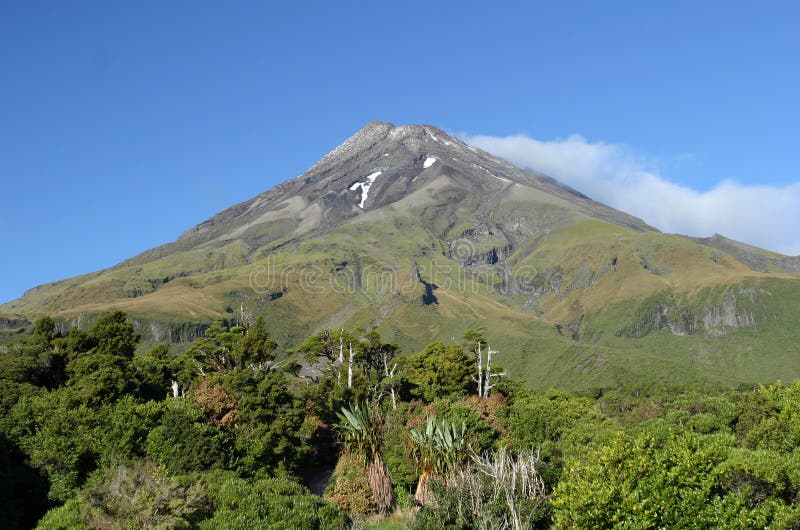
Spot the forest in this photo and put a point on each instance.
(99, 430)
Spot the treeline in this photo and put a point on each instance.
(224, 435)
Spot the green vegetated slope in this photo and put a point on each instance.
(573, 294)
(605, 305)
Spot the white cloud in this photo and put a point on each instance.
(765, 216)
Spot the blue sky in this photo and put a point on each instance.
(123, 124)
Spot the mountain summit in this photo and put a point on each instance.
(413, 232)
(383, 165)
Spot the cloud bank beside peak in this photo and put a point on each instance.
(761, 215)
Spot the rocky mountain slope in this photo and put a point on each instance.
(410, 230)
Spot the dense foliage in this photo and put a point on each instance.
(100, 431)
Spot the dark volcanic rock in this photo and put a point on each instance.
(13, 323)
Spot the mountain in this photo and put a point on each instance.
(411, 231)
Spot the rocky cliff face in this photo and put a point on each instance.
(13, 324)
(727, 316)
(685, 318)
(148, 329)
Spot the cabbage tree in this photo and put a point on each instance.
(362, 429)
(439, 449)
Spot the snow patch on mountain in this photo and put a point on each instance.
(365, 186)
(428, 162)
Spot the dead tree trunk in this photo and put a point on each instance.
(340, 360)
(487, 381)
(479, 378)
(389, 374)
(350, 368)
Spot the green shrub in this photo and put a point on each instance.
(685, 480)
(65, 517)
(183, 442)
(270, 503)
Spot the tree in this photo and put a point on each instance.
(256, 346)
(225, 349)
(268, 421)
(75, 342)
(154, 372)
(485, 376)
(439, 371)
(473, 340)
(114, 334)
(97, 378)
(377, 354)
(325, 352)
(60, 437)
(44, 330)
(362, 428)
(439, 448)
(183, 442)
(102, 373)
(378, 360)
